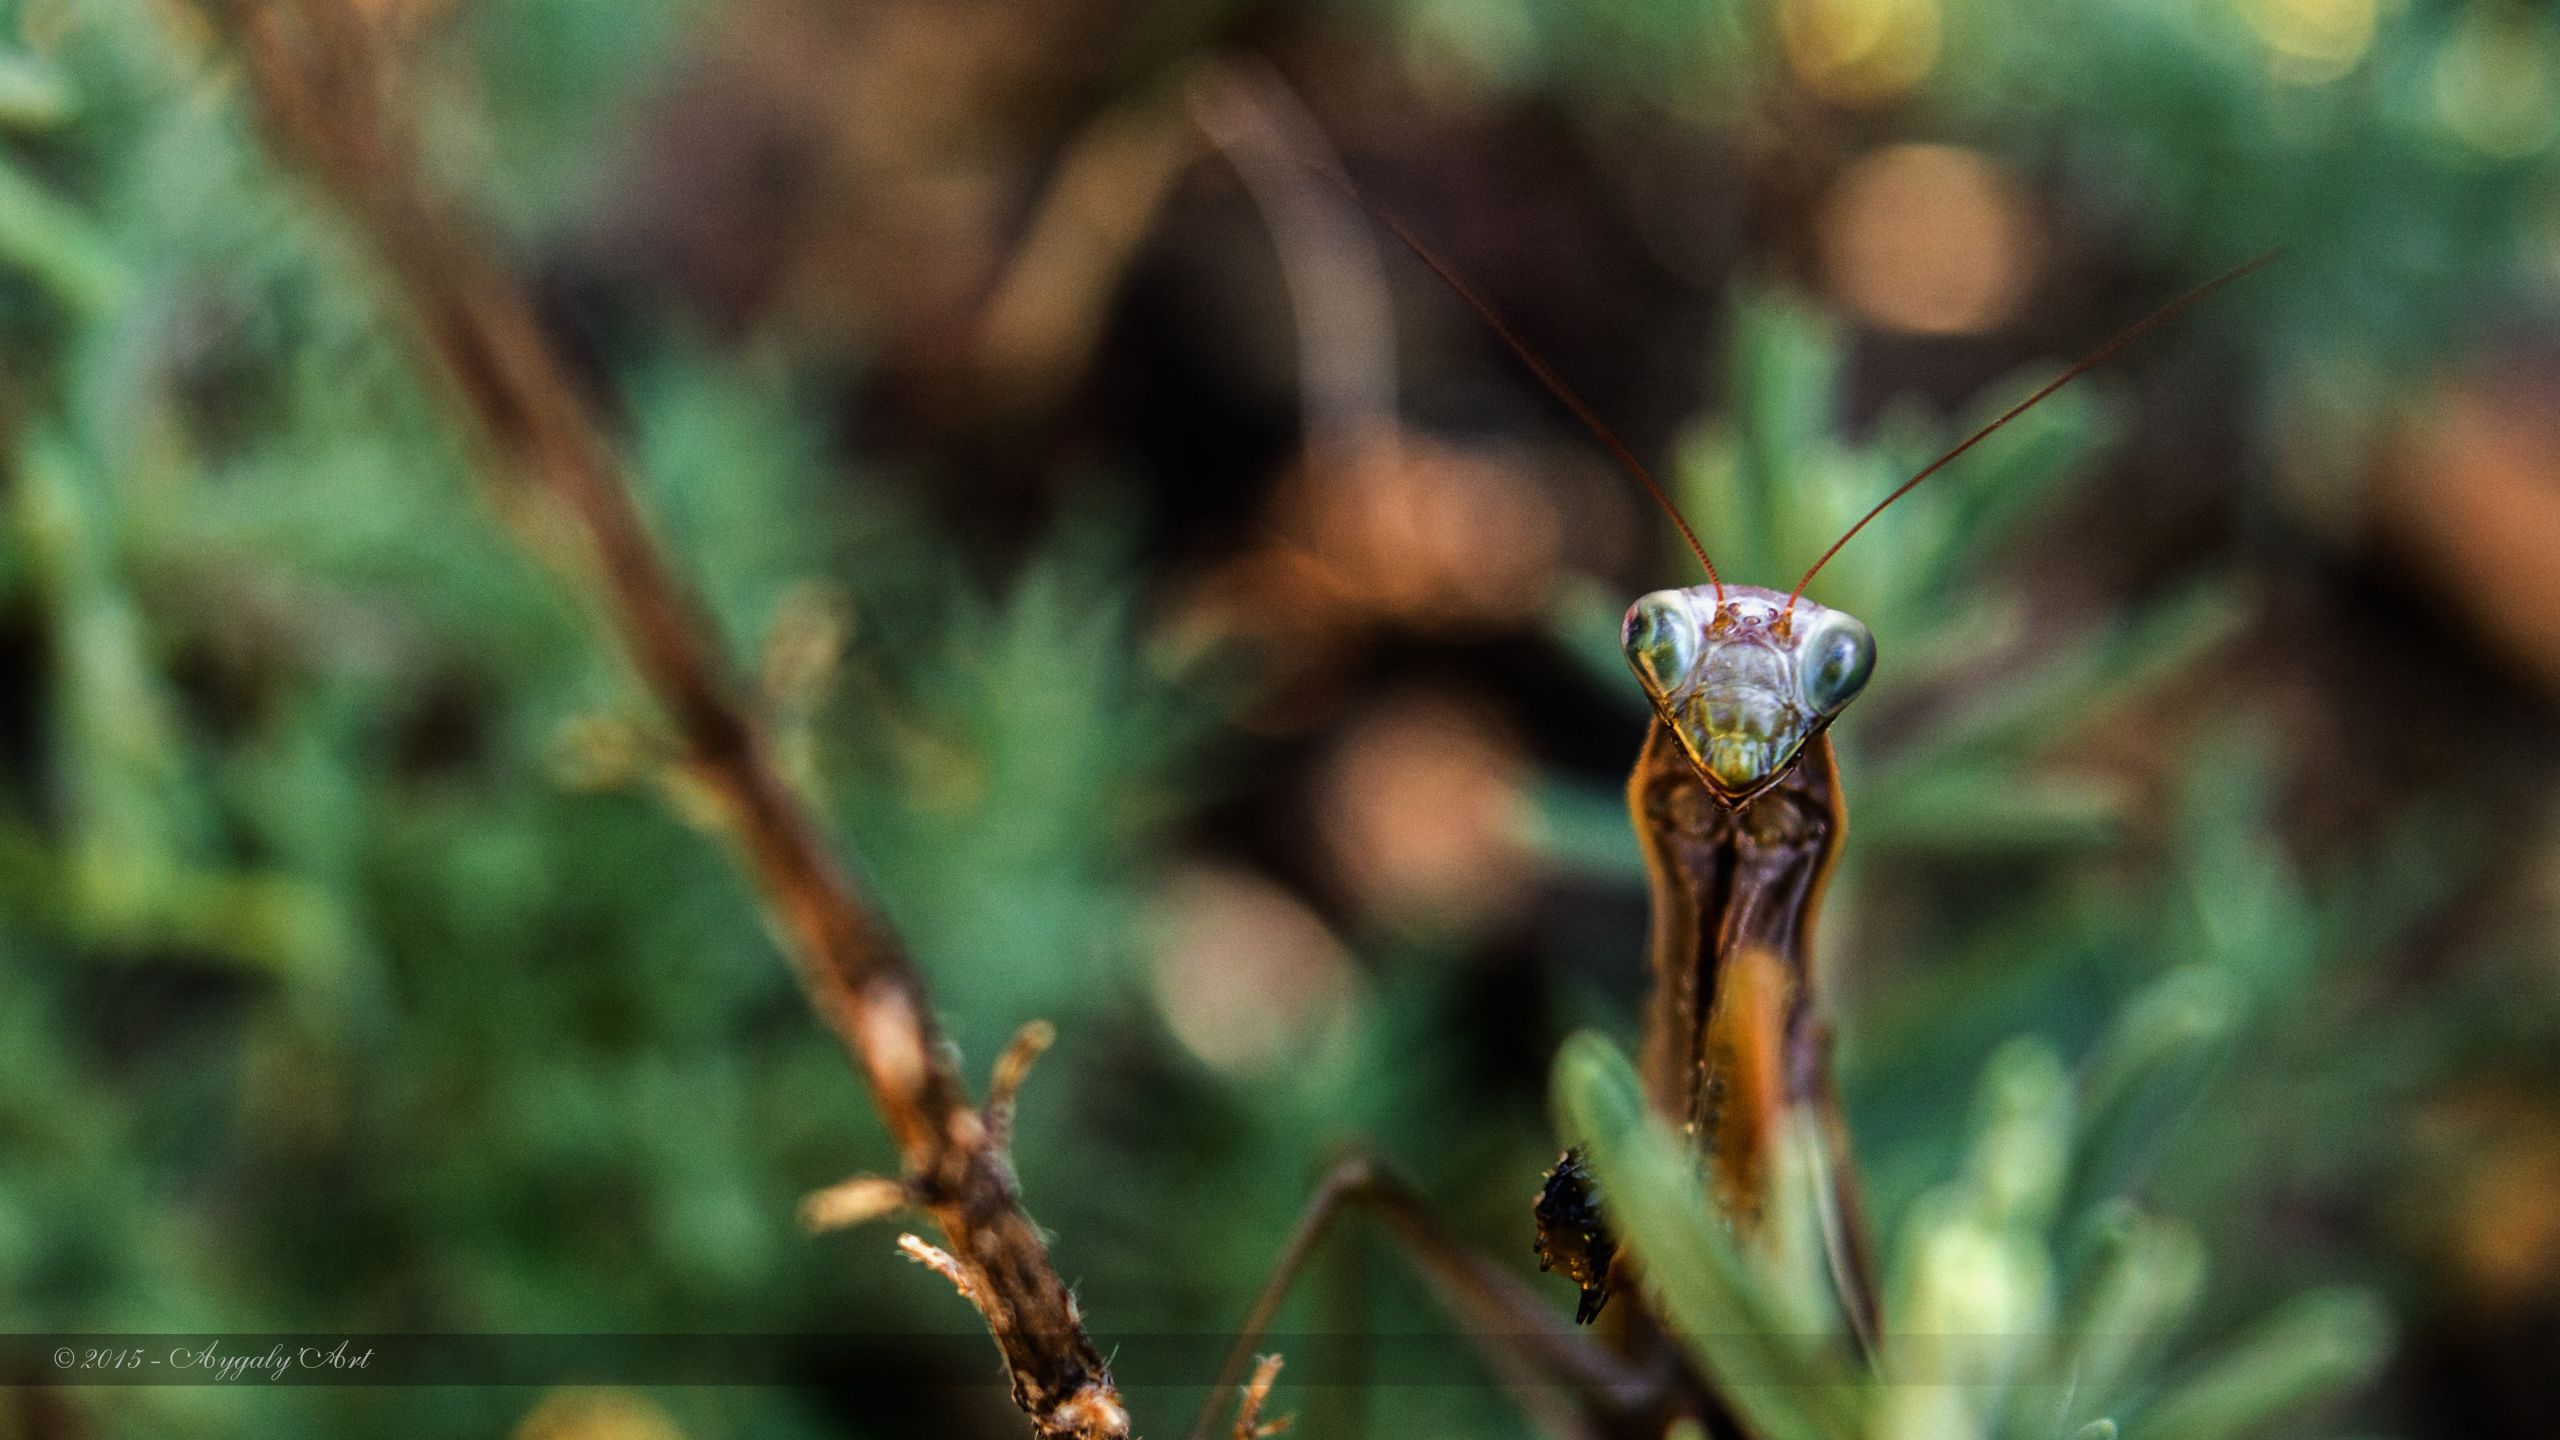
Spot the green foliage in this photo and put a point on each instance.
(362, 965)
(468, 1033)
(2031, 1296)
(1987, 1331)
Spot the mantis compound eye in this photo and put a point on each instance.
(1835, 660)
(1661, 637)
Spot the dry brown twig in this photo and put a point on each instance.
(325, 93)
(1257, 1391)
(1337, 285)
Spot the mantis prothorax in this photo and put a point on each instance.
(1737, 804)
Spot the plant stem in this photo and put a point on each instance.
(318, 75)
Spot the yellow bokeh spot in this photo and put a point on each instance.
(579, 1414)
(1859, 52)
(2497, 88)
(2315, 41)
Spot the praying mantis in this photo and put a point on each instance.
(1737, 803)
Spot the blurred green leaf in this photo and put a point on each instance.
(2316, 1347)
(1706, 1289)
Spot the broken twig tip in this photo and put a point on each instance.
(1012, 1068)
(1257, 1391)
(857, 1201)
(1028, 1045)
(1092, 1413)
(941, 1262)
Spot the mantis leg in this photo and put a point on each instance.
(1573, 1385)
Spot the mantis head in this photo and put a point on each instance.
(1744, 678)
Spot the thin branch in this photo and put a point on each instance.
(1042, 317)
(1336, 281)
(1012, 1068)
(857, 1201)
(324, 91)
(940, 1261)
(1257, 1392)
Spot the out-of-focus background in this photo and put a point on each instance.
(1205, 635)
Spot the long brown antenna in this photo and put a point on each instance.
(2082, 367)
(1538, 367)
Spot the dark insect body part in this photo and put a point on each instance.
(1572, 1241)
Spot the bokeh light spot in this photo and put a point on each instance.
(1928, 238)
(1860, 52)
(1245, 974)
(2497, 85)
(2314, 41)
(1433, 533)
(597, 1415)
(1418, 808)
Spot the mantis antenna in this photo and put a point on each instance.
(2081, 367)
(1537, 366)
(1555, 384)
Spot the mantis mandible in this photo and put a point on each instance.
(1737, 805)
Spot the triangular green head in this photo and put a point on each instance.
(1745, 678)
